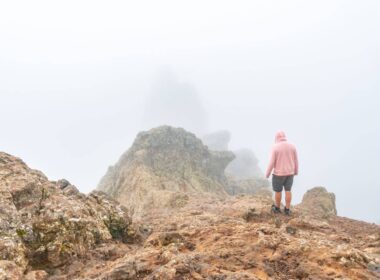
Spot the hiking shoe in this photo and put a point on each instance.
(287, 211)
(275, 209)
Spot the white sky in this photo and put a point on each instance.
(75, 77)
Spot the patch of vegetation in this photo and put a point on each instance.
(21, 232)
(117, 228)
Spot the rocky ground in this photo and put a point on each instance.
(238, 238)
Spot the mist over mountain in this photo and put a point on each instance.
(75, 93)
(135, 135)
(176, 103)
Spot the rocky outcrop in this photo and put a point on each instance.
(318, 202)
(162, 168)
(46, 225)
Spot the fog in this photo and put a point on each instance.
(79, 80)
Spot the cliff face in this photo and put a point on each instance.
(163, 167)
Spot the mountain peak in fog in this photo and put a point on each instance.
(176, 103)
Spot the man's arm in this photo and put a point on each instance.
(295, 162)
(271, 163)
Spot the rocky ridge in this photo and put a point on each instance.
(162, 168)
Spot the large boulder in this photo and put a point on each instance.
(162, 168)
(318, 202)
(41, 226)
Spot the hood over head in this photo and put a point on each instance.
(280, 136)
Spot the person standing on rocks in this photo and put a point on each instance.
(284, 164)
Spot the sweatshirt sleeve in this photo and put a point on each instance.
(295, 162)
(271, 163)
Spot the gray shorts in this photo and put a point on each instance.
(280, 182)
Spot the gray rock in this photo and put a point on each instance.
(318, 202)
(162, 163)
(43, 226)
(63, 183)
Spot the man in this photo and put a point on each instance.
(284, 164)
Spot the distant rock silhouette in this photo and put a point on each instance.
(244, 174)
(245, 166)
(218, 141)
(175, 103)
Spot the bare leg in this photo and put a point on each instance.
(277, 199)
(288, 199)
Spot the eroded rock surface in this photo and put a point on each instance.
(162, 168)
(238, 238)
(318, 202)
(42, 226)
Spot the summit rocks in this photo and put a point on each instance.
(163, 168)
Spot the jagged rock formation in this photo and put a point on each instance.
(43, 227)
(162, 168)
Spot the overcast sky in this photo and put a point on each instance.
(79, 80)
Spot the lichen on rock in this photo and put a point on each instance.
(42, 226)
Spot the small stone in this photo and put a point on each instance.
(291, 230)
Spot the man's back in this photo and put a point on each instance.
(284, 161)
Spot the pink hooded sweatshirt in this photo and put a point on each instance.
(284, 159)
